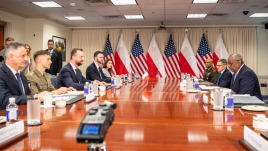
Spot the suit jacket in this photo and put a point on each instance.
(9, 87)
(92, 73)
(225, 79)
(56, 65)
(246, 82)
(67, 78)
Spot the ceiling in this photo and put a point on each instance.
(172, 12)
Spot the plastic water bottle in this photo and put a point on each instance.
(196, 84)
(11, 112)
(125, 77)
(112, 81)
(86, 89)
(228, 94)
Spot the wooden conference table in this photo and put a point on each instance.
(159, 118)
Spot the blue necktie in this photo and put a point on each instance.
(235, 76)
(218, 79)
(77, 75)
(20, 83)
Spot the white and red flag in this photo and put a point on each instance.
(220, 51)
(155, 60)
(122, 60)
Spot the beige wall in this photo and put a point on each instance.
(53, 29)
(17, 25)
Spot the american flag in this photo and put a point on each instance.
(138, 60)
(171, 60)
(108, 53)
(203, 53)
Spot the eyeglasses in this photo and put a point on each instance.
(230, 64)
(218, 65)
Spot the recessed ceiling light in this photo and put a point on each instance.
(124, 2)
(205, 1)
(196, 15)
(133, 16)
(74, 17)
(47, 4)
(259, 15)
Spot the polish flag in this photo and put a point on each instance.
(220, 51)
(155, 60)
(122, 60)
(188, 62)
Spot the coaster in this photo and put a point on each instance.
(26, 124)
(217, 109)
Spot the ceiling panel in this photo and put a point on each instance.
(178, 6)
(174, 12)
(253, 5)
(86, 9)
(130, 7)
(147, 17)
(88, 14)
(149, 2)
(176, 16)
(231, 5)
(104, 8)
(95, 18)
(168, 2)
(237, 16)
(109, 13)
(151, 7)
(264, 10)
(130, 12)
(202, 6)
(199, 11)
(151, 12)
(221, 10)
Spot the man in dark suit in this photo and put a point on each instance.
(94, 71)
(56, 58)
(12, 83)
(70, 75)
(224, 75)
(244, 80)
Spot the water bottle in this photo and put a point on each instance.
(112, 81)
(196, 84)
(95, 88)
(228, 94)
(11, 112)
(86, 89)
(230, 103)
(125, 77)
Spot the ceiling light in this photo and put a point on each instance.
(205, 1)
(133, 16)
(74, 17)
(196, 15)
(259, 15)
(47, 4)
(124, 2)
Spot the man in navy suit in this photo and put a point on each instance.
(244, 80)
(70, 75)
(12, 83)
(224, 75)
(94, 71)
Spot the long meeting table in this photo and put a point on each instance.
(156, 115)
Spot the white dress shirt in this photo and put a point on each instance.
(14, 73)
(73, 67)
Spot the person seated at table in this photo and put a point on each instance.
(210, 73)
(244, 80)
(70, 75)
(94, 71)
(12, 83)
(107, 68)
(224, 76)
(40, 80)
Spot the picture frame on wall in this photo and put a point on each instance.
(60, 45)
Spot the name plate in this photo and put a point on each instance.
(255, 140)
(205, 99)
(11, 131)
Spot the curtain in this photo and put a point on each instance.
(242, 40)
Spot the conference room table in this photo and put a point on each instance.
(156, 115)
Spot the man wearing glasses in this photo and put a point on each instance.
(224, 76)
(210, 73)
(244, 80)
